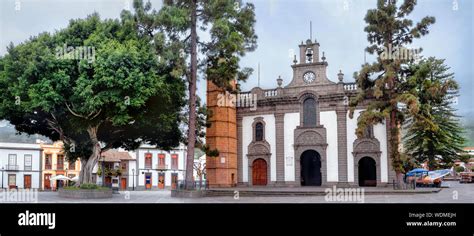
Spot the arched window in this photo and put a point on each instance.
(309, 112)
(259, 131)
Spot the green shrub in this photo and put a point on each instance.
(89, 186)
(459, 169)
(86, 186)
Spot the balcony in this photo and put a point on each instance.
(270, 92)
(162, 167)
(350, 86)
(48, 167)
(12, 167)
(59, 167)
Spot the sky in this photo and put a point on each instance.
(338, 25)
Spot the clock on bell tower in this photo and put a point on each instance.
(310, 70)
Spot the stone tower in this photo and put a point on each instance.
(310, 70)
(222, 135)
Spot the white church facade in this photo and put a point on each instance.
(301, 134)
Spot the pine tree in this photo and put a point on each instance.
(388, 29)
(434, 134)
(230, 24)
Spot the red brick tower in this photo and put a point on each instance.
(222, 135)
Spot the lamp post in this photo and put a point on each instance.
(67, 181)
(3, 168)
(133, 177)
(103, 171)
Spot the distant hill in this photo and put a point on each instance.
(467, 121)
(10, 135)
(468, 125)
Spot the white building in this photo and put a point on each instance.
(20, 165)
(158, 169)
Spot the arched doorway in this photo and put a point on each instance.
(259, 172)
(367, 172)
(310, 168)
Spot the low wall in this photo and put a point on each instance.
(188, 193)
(85, 193)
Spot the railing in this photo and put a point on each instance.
(161, 167)
(12, 167)
(245, 99)
(59, 166)
(350, 86)
(28, 167)
(245, 94)
(270, 93)
(48, 167)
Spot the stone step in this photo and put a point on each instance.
(230, 192)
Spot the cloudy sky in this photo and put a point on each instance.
(281, 26)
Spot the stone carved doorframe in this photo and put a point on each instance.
(258, 150)
(367, 147)
(310, 139)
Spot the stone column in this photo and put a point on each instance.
(342, 145)
(280, 148)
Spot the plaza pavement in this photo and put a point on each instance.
(456, 193)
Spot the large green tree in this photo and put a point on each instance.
(388, 29)
(229, 25)
(119, 94)
(433, 134)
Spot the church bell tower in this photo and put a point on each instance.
(221, 171)
(311, 69)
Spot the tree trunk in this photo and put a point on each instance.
(192, 101)
(395, 155)
(85, 176)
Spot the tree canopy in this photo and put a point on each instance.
(434, 133)
(382, 82)
(95, 85)
(230, 25)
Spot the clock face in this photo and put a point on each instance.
(309, 77)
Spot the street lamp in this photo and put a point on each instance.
(133, 181)
(103, 171)
(3, 168)
(67, 181)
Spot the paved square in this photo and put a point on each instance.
(456, 193)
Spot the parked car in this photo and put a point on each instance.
(425, 178)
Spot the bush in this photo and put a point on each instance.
(108, 172)
(86, 186)
(89, 186)
(459, 169)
